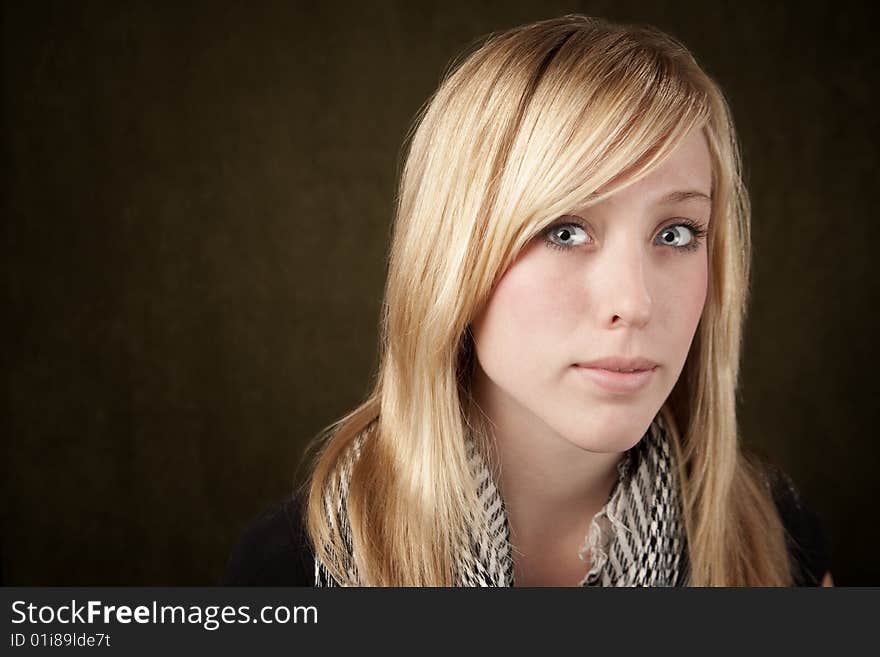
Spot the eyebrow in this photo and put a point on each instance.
(684, 195)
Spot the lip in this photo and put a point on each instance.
(621, 383)
(620, 363)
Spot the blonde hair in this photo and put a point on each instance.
(523, 129)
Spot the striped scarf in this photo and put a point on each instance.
(636, 539)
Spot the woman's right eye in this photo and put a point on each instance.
(566, 236)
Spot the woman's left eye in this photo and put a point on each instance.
(686, 236)
(679, 235)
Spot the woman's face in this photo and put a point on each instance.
(623, 278)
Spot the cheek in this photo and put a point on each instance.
(525, 317)
(694, 298)
(683, 301)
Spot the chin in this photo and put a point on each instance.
(607, 437)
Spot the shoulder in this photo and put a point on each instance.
(805, 534)
(274, 549)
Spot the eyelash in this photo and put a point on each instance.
(699, 234)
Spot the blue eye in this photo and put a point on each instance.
(685, 235)
(565, 236)
(682, 234)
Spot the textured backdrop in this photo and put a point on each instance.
(197, 204)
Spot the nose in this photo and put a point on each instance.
(626, 294)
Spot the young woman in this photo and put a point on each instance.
(555, 403)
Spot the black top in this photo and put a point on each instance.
(275, 550)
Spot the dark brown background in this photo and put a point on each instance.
(197, 204)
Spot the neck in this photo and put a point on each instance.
(551, 487)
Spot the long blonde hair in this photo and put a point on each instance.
(523, 129)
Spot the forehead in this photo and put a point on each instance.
(690, 163)
(687, 169)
